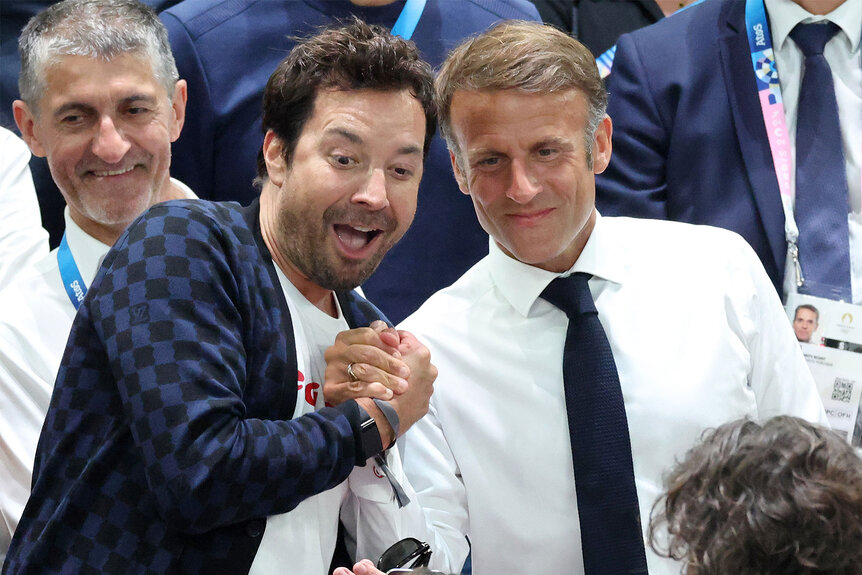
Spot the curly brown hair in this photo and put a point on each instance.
(782, 497)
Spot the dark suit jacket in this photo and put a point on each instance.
(169, 439)
(689, 141)
(598, 23)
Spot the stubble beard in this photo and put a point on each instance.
(306, 247)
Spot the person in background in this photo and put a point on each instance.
(694, 98)
(597, 24)
(208, 413)
(14, 15)
(101, 101)
(227, 53)
(782, 497)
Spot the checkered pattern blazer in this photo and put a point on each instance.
(168, 440)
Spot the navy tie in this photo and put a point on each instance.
(611, 534)
(822, 201)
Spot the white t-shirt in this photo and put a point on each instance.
(302, 541)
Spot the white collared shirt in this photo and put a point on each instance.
(699, 338)
(845, 59)
(22, 239)
(36, 316)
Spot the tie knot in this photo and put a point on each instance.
(571, 294)
(812, 38)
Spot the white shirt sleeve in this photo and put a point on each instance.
(374, 521)
(780, 378)
(22, 239)
(441, 489)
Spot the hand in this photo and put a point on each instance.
(373, 352)
(412, 404)
(364, 567)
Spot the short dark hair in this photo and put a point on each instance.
(781, 497)
(807, 306)
(353, 56)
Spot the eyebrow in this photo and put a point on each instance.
(356, 139)
(409, 150)
(89, 108)
(554, 141)
(480, 152)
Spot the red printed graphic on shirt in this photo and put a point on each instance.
(311, 389)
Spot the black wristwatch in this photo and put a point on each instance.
(370, 443)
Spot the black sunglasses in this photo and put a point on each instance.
(408, 552)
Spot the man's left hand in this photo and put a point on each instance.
(365, 362)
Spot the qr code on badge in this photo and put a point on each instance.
(842, 390)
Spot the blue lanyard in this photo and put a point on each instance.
(409, 17)
(771, 102)
(605, 62)
(772, 106)
(76, 289)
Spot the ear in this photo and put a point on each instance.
(178, 103)
(602, 145)
(273, 155)
(459, 175)
(26, 120)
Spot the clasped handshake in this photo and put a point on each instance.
(380, 362)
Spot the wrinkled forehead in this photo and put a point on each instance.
(518, 113)
(71, 73)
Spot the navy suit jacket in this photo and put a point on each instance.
(227, 49)
(689, 140)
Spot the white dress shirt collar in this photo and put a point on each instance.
(784, 15)
(89, 252)
(521, 284)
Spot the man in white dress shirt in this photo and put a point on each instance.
(697, 332)
(103, 104)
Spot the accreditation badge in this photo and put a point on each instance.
(830, 333)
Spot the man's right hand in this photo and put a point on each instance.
(412, 405)
(389, 365)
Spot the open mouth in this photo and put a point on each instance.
(355, 239)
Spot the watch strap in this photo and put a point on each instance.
(370, 443)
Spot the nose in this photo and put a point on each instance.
(109, 144)
(524, 185)
(374, 194)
